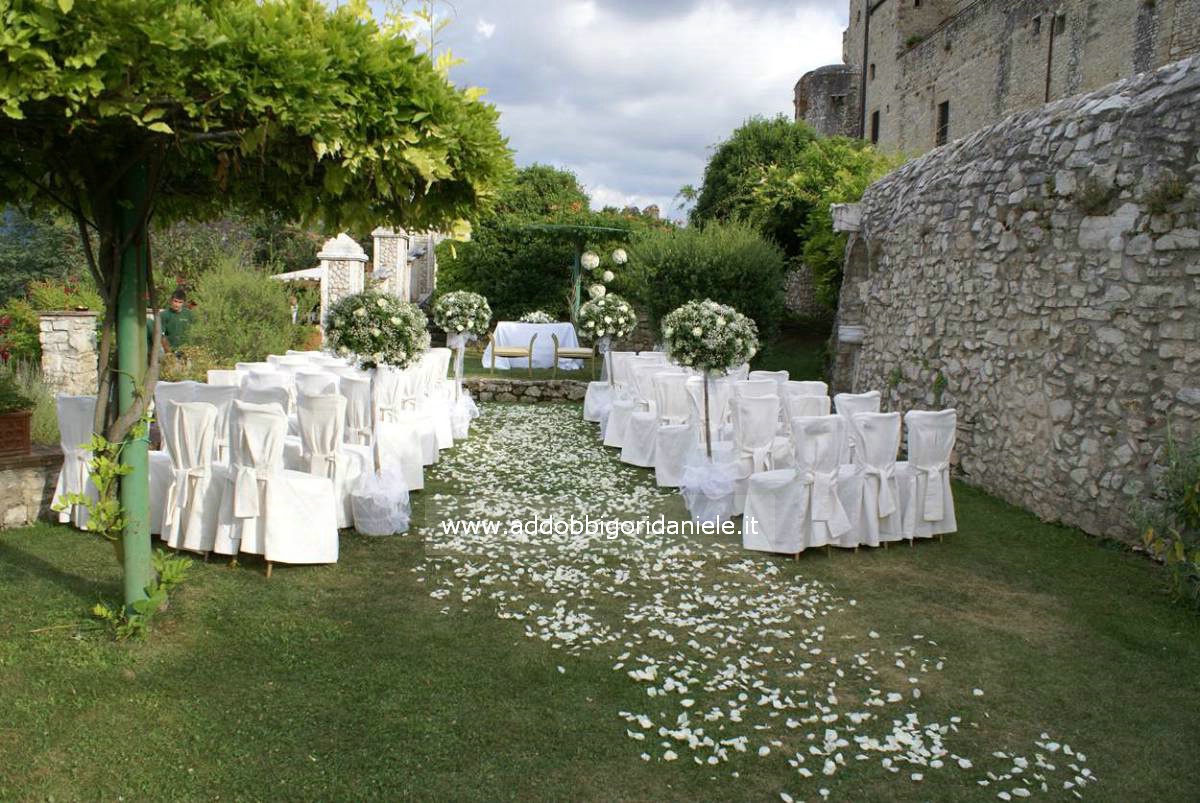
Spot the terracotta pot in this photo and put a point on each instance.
(14, 433)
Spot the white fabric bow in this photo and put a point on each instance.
(179, 492)
(826, 505)
(245, 492)
(323, 464)
(360, 434)
(935, 492)
(887, 502)
(760, 458)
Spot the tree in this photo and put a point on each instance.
(124, 111)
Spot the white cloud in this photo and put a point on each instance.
(484, 28)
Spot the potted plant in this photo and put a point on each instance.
(16, 409)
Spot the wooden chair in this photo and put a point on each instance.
(572, 353)
(511, 352)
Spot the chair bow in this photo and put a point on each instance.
(359, 435)
(179, 492)
(323, 464)
(760, 458)
(887, 501)
(935, 491)
(245, 492)
(826, 505)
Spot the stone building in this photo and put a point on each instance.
(932, 71)
(1042, 277)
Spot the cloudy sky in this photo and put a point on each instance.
(631, 94)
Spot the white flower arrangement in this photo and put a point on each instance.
(619, 257)
(709, 336)
(536, 316)
(607, 316)
(378, 329)
(607, 276)
(590, 260)
(463, 313)
(597, 291)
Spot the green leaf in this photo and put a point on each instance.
(161, 128)
(65, 6)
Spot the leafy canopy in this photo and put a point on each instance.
(280, 104)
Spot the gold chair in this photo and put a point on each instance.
(512, 352)
(572, 353)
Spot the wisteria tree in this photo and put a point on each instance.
(123, 111)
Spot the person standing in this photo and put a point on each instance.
(175, 322)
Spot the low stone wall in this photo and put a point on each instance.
(527, 391)
(27, 486)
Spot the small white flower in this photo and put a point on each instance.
(460, 328)
(395, 321)
(607, 276)
(697, 331)
(381, 302)
(589, 260)
(361, 312)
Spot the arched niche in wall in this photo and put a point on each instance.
(857, 269)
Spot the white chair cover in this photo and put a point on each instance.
(802, 405)
(323, 452)
(315, 382)
(931, 437)
(637, 446)
(273, 395)
(849, 405)
(191, 504)
(222, 398)
(75, 414)
(396, 401)
(808, 387)
(435, 394)
(720, 392)
(597, 401)
(621, 362)
(747, 388)
(167, 392)
(399, 439)
(255, 366)
(289, 360)
(357, 392)
(780, 378)
(754, 426)
(220, 376)
(773, 512)
(674, 437)
(818, 443)
(877, 515)
(283, 515)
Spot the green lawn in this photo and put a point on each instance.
(434, 666)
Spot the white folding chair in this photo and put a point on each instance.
(255, 366)
(613, 426)
(720, 392)
(399, 439)
(818, 444)
(674, 438)
(315, 382)
(801, 405)
(638, 446)
(357, 392)
(807, 387)
(167, 392)
(849, 405)
(931, 437)
(191, 503)
(395, 400)
(285, 516)
(754, 424)
(323, 451)
(220, 376)
(75, 414)
(876, 511)
(268, 395)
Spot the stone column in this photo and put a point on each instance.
(343, 264)
(424, 265)
(391, 262)
(69, 351)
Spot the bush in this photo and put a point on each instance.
(186, 250)
(192, 362)
(242, 315)
(65, 294)
(12, 397)
(1171, 522)
(39, 246)
(27, 377)
(19, 333)
(729, 263)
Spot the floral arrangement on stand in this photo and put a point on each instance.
(601, 277)
(605, 318)
(464, 316)
(709, 337)
(536, 316)
(377, 329)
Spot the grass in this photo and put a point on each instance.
(353, 682)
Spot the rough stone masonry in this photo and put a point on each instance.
(1042, 276)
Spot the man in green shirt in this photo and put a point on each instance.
(175, 321)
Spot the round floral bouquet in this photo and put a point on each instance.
(709, 336)
(607, 316)
(536, 316)
(377, 329)
(463, 314)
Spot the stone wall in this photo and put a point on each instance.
(27, 486)
(527, 391)
(343, 270)
(69, 351)
(991, 58)
(801, 294)
(390, 262)
(827, 99)
(1042, 276)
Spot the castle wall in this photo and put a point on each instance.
(1042, 276)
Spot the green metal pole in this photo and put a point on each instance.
(131, 366)
(577, 275)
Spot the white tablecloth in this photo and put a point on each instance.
(515, 333)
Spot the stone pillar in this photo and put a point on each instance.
(343, 265)
(69, 351)
(391, 266)
(424, 264)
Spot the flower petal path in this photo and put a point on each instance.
(743, 658)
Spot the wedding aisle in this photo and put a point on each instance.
(748, 664)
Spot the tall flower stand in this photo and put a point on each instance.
(598, 400)
(710, 472)
(463, 408)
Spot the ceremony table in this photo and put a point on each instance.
(516, 333)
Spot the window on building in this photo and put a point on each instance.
(871, 72)
(1037, 25)
(1060, 24)
(916, 3)
(875, 127)
(943, 122)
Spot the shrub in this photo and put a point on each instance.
(27, 377)
(19, 332)
(242, 314)
(65, 294)
(1171, 522)
(187, 250)
(12, 397)
(192, 362)
(37, 246)
(729, 263)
